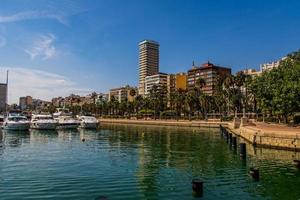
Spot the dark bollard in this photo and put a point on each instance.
(197, 186)
(222, 131)
(230, 138)
(297, 163)
(243, 150)
(226, 135)
(254, 173)
(234, 142)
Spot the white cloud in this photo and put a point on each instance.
(39, 84)
(30, 15)
(42, 47)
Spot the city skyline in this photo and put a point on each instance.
(58, 58)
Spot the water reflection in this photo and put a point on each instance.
(43, 136)
(139, 162)
(1, 143)
(67, 134)
(208, 157)
(15, 138)
(88, 134)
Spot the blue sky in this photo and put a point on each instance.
(59, 47)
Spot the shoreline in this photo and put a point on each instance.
(258, 134)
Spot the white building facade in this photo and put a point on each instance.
(160, 79)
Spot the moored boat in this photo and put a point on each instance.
(16, 122)
(88, 122)
(43, 122)
(67, 122)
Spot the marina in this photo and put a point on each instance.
(17, 121)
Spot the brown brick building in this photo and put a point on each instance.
(209, 72)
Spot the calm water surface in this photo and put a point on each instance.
(138, 162)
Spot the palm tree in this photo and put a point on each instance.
(179, 98)
(154, 99)
(94, 96)
(113, 104)
(123, 108)
(240, 79)
(204, 103)
(191, 101)
(138, 103)
(228, 84)
(132, 92)
(200, 83)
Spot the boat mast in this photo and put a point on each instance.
(6, 98)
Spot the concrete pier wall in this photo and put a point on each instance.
(278, 140)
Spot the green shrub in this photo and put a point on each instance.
(146, 112)
(227, 118)
(297, 119)
(168, 113)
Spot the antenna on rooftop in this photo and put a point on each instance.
(208, 60)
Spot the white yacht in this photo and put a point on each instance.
(43, 122)
(16, 121)
(67, 122)
(88, 122)
(65, 119)
(61, 112)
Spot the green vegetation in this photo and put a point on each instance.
(277, 93)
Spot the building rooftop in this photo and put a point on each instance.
(159, 73)
(207, 65)
(148, 41)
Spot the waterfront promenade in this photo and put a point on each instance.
(258, 133)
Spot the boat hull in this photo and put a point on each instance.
(44, 126)
(91, 125)
(16, 126)
(68, 126)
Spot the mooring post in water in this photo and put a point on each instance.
(222, 130)
(254, 173)
(243, 150)
(230, 138)
(197, 186)
(297, 163)
(227, 136)
(234, 142)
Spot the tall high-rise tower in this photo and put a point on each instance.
(148, 62)
(3, 94)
